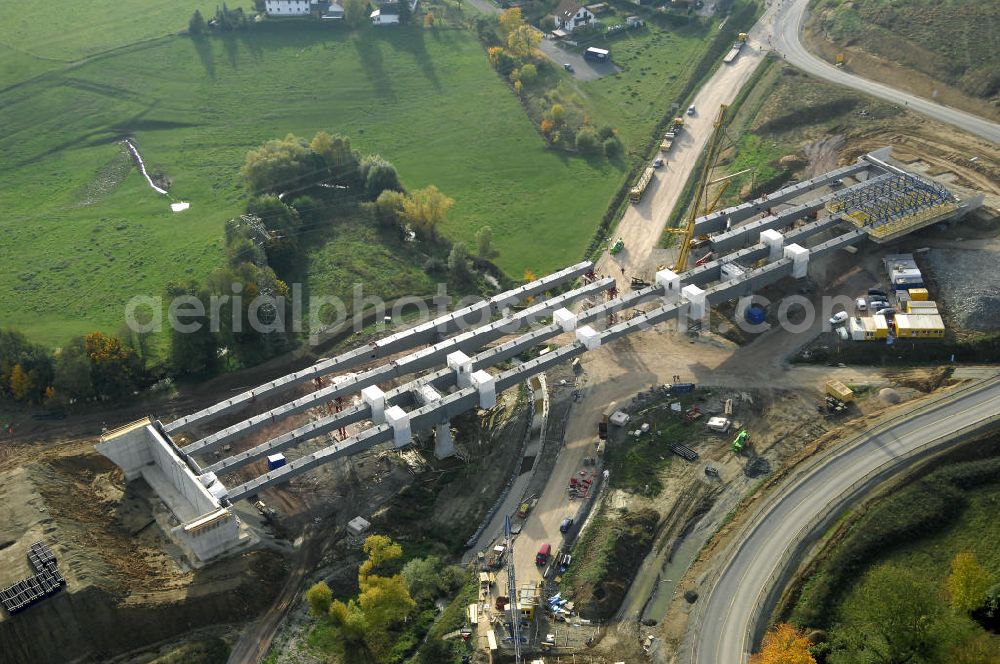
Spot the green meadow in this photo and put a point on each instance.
(81, 241)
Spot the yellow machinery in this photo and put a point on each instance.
(712, 152)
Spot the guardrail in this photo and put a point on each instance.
(808, 471)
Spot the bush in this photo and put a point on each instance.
(612, 147)
(588, 142)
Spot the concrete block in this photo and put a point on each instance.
(565, 318)
(428, 394)
(461, 364)
(399, 420)
(487, 386)
(696, 301)
(775, 241)
(800, 260)
(589, 337)
(375, 399)
(670, 282)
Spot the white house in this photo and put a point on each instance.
(387, 14)
(287, 7)
(334, 11)
(571, 15)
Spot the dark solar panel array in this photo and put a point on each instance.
(45, 582)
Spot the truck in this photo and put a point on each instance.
(672, 132)
(635, 195)
(734, 52)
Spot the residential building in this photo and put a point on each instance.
(570, 15)
(287, 7)
(387, 14)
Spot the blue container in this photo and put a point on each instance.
(756, 314)
(276, 461)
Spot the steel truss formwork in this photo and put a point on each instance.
(894, 204)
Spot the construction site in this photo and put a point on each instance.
(577, 442)
(213, 500)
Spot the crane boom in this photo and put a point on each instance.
(712, 151)
(515, 611)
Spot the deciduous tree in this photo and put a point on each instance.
(21, 384)
(784, 644)
(484, 243)
(378, 175)
(523, 40)
(319, 597)
(968, 582)
(510, 20)
(355, 12)
(426, 208)
(897, 616)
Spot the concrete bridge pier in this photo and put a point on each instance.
(444, 444)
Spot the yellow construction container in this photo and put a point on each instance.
(527, 599)
(868, 328)
(919, 326)
(919, 294)
(838, 390)
(920, 306)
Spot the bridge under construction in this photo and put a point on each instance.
(418, 379)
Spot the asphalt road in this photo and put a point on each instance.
(787, 26)
(724, 631)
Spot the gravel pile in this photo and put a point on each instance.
(969, 284)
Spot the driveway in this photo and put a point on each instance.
(583, 70)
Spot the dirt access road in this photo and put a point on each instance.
(642, 225)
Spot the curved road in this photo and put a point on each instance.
(787, 27)
(724, 632)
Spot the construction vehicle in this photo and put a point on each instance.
(840, 60)
(712, 153)
(734, 53)
(618, 245)
(635, 194)
(672, 131)
(741, 441)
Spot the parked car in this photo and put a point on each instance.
(878, 304)
(691, 109)
(888, 311)
(566, 524)
(658, 162)
(875, 291)
(838, 318)
(861, 304)
(568, 67)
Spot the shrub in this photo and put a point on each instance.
(587, 141)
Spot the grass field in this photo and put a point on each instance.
(656, 64)
(426, 100)
(37, 38)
